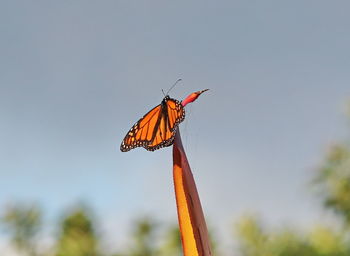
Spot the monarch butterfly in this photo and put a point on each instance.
(157, 128)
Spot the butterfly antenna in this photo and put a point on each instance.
(163, 92)
(178, 80)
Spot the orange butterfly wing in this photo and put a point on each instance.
(157, 128)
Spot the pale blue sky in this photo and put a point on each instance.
(75, 75)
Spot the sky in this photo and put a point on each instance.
(75, 76)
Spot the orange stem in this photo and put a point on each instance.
(193, 229)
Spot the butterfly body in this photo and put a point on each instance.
(157, 128)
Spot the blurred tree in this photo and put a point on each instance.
(322, 241)
(252, 239)
(77, 236)
(143, 238)
(333, 181)
(172, 245)
(327, 242)
(23, 223)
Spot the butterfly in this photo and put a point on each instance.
(157, 128)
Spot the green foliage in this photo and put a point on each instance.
(325, 241)
(256, 241)
(172, 245)
(77, 236)
(22, 223)
(143, 238)
(251, 236)
(333, 181)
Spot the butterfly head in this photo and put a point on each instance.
(166, 98)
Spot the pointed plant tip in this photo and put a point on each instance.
(203, 91)
(192, 97)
